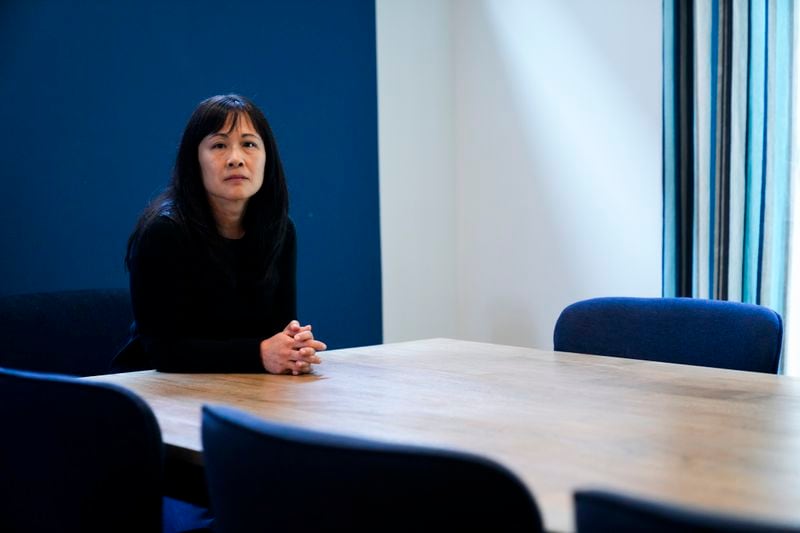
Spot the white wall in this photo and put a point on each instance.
(417, 169)
(554, 117)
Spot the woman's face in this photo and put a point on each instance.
(232, 162)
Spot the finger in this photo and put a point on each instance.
(294, 332)
(302, 367)
(303, 336)
(297, 368)
(311, 357)
(307, 355)
(317, 346)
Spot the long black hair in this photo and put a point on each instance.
(266, 217)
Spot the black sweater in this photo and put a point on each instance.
(197, 313)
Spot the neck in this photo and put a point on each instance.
(228, 216)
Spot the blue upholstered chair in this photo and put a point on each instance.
(64, 332)
(607, 512)
(77, 456)
(265, 476)
(677, 330)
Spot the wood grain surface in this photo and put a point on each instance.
(718, 439)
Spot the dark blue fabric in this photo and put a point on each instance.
(64, 332)
(77, 456)
(677, 330)
(605, 512)
(265, 476)
(185, 517)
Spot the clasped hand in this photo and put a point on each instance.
(292, 351)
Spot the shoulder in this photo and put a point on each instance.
(162, 235)
(162, 226)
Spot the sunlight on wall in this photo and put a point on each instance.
(559, 160)
(577, 94)
(520, 162)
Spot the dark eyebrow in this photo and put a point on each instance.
(221, 134)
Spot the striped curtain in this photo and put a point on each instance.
(728, 105)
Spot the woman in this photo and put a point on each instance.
(212, 260)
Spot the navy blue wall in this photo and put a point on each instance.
(93, 99)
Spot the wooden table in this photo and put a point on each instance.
(721, 439)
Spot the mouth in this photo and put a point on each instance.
(236, 177)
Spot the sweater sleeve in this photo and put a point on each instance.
(164, 307)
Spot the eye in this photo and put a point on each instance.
(217, 146)
(250, 144)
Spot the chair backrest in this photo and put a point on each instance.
(264, 476)
(599, 511)
(677, 330)
(64, 332)
(77, 456)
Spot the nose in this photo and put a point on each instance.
(235, 159)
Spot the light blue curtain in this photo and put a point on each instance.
(727, 149)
